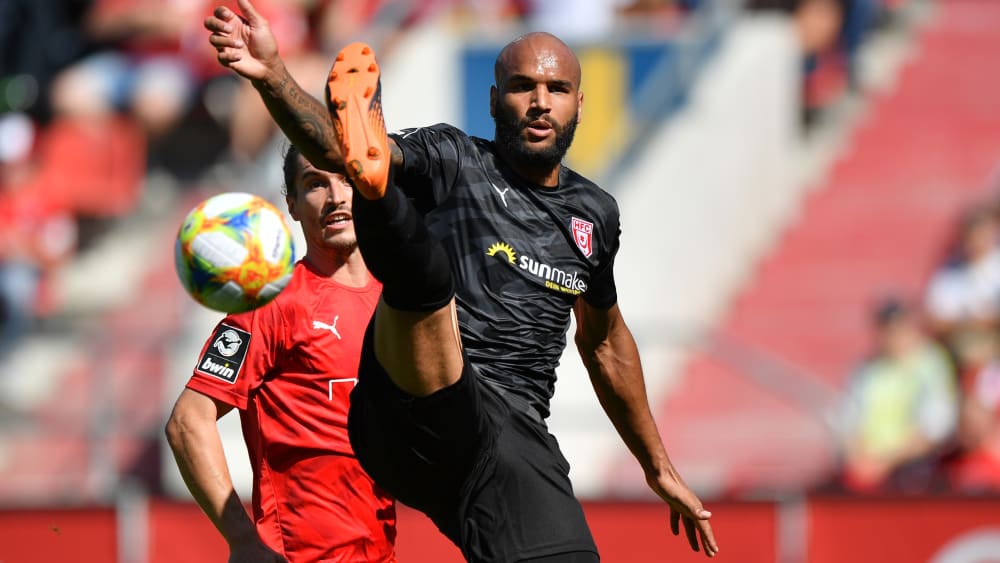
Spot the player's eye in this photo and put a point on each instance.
(521, 86)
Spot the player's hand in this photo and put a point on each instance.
(685, 507)
(254, 552)
(243, 42)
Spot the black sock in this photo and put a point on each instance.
(401, 253)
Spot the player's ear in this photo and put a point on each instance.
(579, 108)
(290, 202)
(493, 101)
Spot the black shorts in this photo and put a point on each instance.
(487, 473)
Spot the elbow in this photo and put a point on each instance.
(173, 430)
(586, 345)
(179, 428)
(592, 351)
(193, 414)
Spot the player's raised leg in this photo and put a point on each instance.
(416, 327)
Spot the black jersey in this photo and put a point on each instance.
(521, 253)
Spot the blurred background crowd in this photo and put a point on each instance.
(115, 118)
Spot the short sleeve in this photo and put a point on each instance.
(432, 161)
(238, 355)
(602, 292)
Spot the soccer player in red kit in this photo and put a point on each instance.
(289, 368)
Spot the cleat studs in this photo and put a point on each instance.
(373, 67)
(333, 76)
(368, 91)
(340, 56)
(373, 153)
(366, 51)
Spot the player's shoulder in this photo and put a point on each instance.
(291, 296)
(587, 189)
(428, 133)
(299, 278)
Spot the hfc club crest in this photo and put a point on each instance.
(583, 234)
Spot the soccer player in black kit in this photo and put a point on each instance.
(483, 248)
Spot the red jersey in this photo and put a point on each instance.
(289, 368)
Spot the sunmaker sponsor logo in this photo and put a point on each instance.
(554, 278)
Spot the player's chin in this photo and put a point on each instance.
(341, 241)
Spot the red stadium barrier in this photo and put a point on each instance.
(78, 535)
(815, 530)
(919, 530)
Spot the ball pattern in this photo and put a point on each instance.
(234, 252)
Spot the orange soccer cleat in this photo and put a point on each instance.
(354, 100)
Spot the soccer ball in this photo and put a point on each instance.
(234, 252)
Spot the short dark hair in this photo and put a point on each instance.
(291, 167)
(891, 309)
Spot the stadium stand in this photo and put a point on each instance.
(103, 367)
(750, 267)
(879, 221)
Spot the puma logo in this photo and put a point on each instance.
(503, 193)
(331, 327)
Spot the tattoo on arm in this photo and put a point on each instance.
(303, 119)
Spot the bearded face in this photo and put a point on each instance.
(510, 136)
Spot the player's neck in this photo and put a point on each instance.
(350, 270)
(545, 176)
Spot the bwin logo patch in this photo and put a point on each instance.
(223, 358)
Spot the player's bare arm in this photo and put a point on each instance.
(302, 118)
(244, 43)
(194, 438)
(609, 353)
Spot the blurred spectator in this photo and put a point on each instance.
(900, 408)
(148, 61)
(591, 20)
(37, 39)
(818, 22)
(310, 33)
(860, 16)
(831, 33)
(89, 159)
(976, 467)
(36, 236)
(335, 23)
(483, 15)
(963, 297)
(250, 126)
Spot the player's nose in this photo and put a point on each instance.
(540, 99)
(339, 192)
